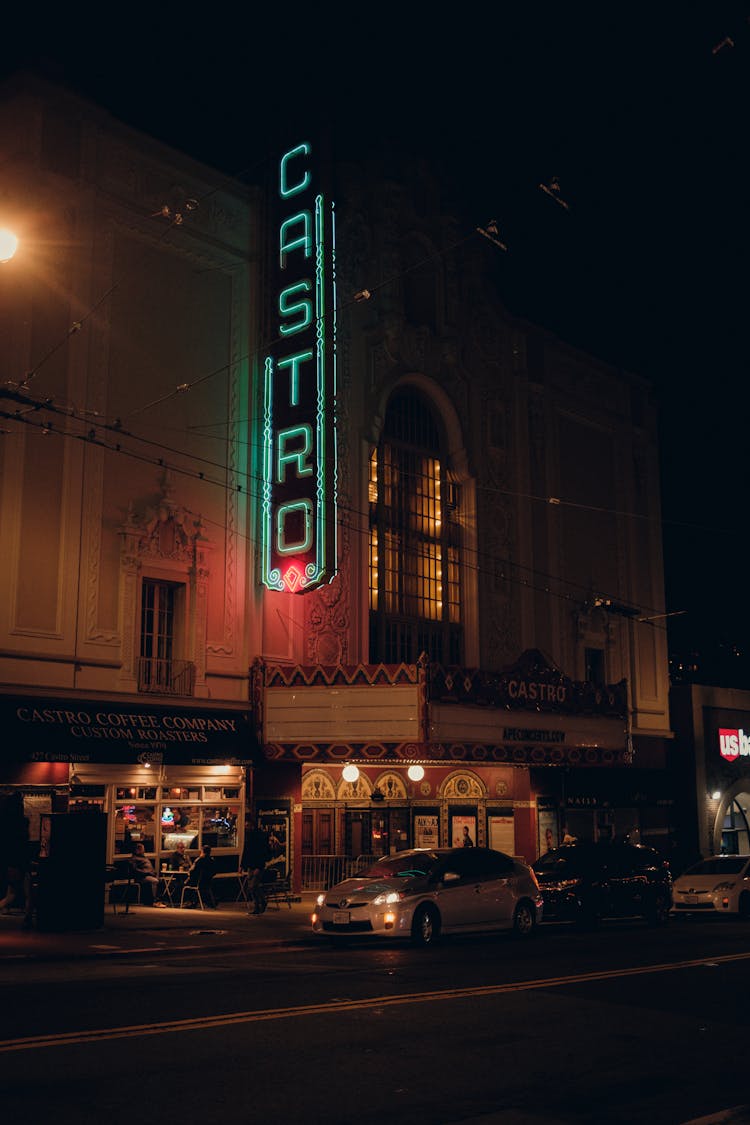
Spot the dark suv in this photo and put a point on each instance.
(585, 882)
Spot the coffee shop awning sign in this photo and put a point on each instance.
(75, 730)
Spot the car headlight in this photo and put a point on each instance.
(387, 898)
(723, 886)
(320, 900)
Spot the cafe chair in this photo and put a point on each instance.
(200, 891)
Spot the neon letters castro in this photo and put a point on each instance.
(734, 744)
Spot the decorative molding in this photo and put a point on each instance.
(446, 753)
(284, 675)
(169, 539)
(317, 785)
(463, 784)
(359, 790)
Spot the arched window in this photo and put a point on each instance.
(415, 587)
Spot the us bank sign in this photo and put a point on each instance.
(299, 438)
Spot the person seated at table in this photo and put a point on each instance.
(201, 876)
(145, 875)
(179, 859)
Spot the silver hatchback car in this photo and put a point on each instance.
(423, 893)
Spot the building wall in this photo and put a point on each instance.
(556, 454)
(111, 305)
(130, 355)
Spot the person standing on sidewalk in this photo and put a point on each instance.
(255, 854)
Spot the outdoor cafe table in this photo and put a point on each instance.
(172, 882)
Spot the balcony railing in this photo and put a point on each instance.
(166, 677)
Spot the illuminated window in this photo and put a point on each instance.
(415, 589)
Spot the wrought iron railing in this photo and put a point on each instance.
(166, 677)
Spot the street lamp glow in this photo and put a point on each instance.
(8, 244)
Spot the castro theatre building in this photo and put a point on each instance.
(455, 589)
(387, 758)
(414, 597)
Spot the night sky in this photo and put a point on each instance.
(639, 110)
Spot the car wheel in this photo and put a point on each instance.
(524, 921)
(658, 913)
(425, 928)
(743, 907)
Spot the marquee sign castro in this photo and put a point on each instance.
(299, 436)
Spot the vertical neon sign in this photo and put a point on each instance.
(299, 436)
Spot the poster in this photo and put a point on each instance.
(426, 830)
(501, 832)
(273, 819)
(463, 831)
(34, 807)
(546, 817)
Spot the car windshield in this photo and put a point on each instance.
(566, 864)
(719, 865)
(408, 865)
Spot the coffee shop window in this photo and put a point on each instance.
(134, 824)
(180, 824)
(220, 826)
(136, 793)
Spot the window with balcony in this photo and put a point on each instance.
(160, 668)
(415, 544)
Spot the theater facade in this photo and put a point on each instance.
(353, 547)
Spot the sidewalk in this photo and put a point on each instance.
(147, 929)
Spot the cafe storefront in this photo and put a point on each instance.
(161, 774)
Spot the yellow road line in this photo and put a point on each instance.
(200, 1023)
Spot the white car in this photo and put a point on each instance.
(422, 893)
(717, 885)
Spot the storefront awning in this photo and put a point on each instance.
(49, 729)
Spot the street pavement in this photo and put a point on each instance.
(153, 930)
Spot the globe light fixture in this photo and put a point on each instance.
(415, 773)
(716, 795)
(350, 773)
(8, 244)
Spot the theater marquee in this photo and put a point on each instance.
(299, 450)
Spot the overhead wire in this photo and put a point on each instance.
(582, 593)
(176, 219)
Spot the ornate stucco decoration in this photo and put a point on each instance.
(166, 543)
(463, 784)
(317, 786)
